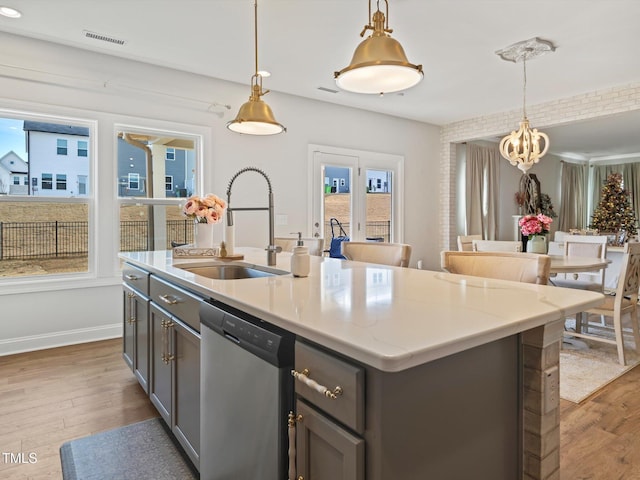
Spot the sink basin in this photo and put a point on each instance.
(231, 271)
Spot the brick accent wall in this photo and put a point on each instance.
(590, 105)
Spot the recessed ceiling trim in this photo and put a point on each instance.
(103, 38)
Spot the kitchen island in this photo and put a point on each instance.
(460, 373)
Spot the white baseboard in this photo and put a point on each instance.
(59, 339)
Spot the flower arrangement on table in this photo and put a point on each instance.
(531, 225)
(208, 209)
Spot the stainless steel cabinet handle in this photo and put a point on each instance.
(130, 276)
(169, 299)
(304, 378)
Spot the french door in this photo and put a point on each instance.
(360, 189)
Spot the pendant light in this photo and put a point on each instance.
(255, 116)
(379, 64)
(526, 146)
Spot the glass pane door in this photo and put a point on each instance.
(379, 207)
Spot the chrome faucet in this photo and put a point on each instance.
(271, 248)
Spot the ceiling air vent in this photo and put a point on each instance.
(103, 38)
(325, 89)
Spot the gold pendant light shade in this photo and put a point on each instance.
(379, 64)
(255, 116)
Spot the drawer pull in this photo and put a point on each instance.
(304, 378)
(168, 299)
(132, 277)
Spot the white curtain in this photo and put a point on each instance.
(572, 196)
(482, 185)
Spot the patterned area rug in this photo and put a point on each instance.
(587, 366)
(141, 451)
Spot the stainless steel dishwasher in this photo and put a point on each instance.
(246, 392)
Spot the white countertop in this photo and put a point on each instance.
(390, 318)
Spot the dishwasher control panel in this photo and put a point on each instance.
(262, 339)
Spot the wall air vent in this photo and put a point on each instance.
(103, 38)
(325, 89)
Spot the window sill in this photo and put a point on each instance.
(21, 285)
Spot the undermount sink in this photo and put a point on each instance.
(231, 271)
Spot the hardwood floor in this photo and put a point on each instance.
(600, 438)
(52, 396)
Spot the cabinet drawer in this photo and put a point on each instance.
(332, 372)
(180, 303)
(136, 278)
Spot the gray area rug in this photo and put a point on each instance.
(141, 451)
(586, 366)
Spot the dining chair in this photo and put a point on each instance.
(594, 246)
(624, 302)
(397, 254)
(519, 267)
(315, 245)
(465, 242)
(496, 246)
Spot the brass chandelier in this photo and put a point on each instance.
(379, 64)
(255, 116)
(526, 146)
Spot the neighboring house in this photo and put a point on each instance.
(336, 180)
(58, 159)
(378, 181)
(178, 165)
(14, 175)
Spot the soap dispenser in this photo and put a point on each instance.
(300, 260)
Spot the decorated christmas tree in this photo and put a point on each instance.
(614, 213)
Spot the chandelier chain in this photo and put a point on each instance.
(524, 86)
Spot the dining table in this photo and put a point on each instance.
(575, 264)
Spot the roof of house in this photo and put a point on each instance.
(13, 163)
(55, 128)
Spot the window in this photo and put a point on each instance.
(59, 240)
(62, 146)
(47, 181)
(83, 148)
(61, 181)
(134, 181)
(343, 182)
(153, 219)
(16, 180)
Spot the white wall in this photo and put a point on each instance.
(61, 80)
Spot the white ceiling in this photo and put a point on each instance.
(302, 42)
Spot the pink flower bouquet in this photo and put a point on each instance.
(535, 224)
(207, 209)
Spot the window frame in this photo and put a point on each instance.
(60, 281)
(48, 181)
(62, 150)
(83, 152)
(130, 180)
(61, 179)
(197, 134)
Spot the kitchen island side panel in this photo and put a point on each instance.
(455, 418)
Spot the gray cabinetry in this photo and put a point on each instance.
(135, 333)
(175, 362)
(331, 421)
(326, 450)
